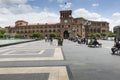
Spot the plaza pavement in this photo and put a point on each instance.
(41, 61)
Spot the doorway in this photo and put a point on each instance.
(66, 34)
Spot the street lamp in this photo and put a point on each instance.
(86, 25)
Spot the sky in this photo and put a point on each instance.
(47, 11)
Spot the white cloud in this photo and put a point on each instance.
(18, 9)
(13, 10)
(115, 19)
(42, 17)
(82, 12)
(4, 11)
(15, 6)
(9, 2)
(117, 14)
(95, 5)
(66, 5)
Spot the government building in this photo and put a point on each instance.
(68, 27)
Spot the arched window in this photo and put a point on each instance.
(45, 30)
(50, 31)
(58, 30)
(25, 31)
(41, 31)
(54, 30)
(94, 30)
(98, 30)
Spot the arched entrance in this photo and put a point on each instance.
(66, 35)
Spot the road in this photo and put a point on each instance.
(41, 61)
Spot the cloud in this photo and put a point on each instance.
(11, 2)
(13, 10)
(95, 5)
(4, 11)
(66, 5)
(82, 12)
(15, 6)
(18, 9)
(115, 19)
(117, 14)
(34, 17)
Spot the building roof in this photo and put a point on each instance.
(117, 26)
(33, 24)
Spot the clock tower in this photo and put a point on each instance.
(66, 20)
(66, 16)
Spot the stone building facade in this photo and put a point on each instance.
(68, 27)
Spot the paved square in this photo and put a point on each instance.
(57, 55)
(41, 76)
(55, 73)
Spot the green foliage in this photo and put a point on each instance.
(6, 35)
(2, 31)
(79, 35)
(103, 34)
(19, 36)
(91, 35)
(97, 34)
(36, 35)
(1, 35)
(53, 34)
(112, 34)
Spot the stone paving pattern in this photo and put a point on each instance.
(79, 61)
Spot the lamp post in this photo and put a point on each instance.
(86, 25)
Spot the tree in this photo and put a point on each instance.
(98, 34)
(53, 34)
(103, 34)
(79, 35)
(6, 35)
(19, 36)
(2, 31)
(36, 35)
(1, 35)
(92, 35)
(112, 34)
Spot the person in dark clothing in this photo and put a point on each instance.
(115, 47)
(51, 40)
(95, 42)
(115, 39)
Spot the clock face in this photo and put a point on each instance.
(65, 21)
(70, 16)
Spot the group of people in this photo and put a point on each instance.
(94, 42)
(48, 39)
(116, 46)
